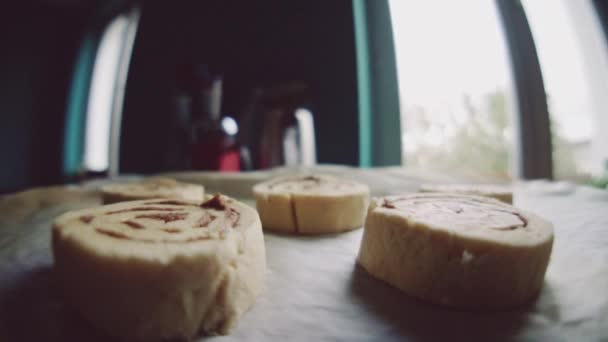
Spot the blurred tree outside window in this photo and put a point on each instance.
(478, 146)
(455, 87)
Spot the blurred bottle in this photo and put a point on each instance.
(178, 155)
(278, 127)
(209, 140)
(213, 145)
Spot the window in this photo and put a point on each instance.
(574, 62)
(455, 88)
(106, 93)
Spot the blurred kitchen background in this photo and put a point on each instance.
(491, 90)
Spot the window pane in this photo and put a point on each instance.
(571, 51)
(455, 86)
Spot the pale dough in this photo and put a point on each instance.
(457, 250)
(155, 187)
(311, 204)
(161, 269)
(501, 193)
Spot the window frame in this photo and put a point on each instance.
(533, 142)
(378, 91)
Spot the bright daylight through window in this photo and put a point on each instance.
(455, 88)
(574, 61)
(457, 101)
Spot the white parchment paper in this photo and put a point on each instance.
(314, 290)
